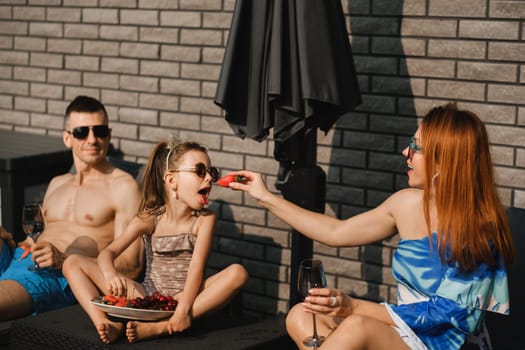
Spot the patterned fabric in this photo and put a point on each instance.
(167, 261)
(440, 303)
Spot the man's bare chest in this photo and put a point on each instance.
(88, 205)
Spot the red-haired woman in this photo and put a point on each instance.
(454, 247)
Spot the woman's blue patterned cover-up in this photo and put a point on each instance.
(437, 301)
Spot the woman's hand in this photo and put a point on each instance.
(328, 301)
(178, 322)
(254, 185)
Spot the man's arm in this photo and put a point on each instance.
(43, 251)
(7, 237)
(125, 195)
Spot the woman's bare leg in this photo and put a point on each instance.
(217, 291)
(363, 332)
(299, 325)
(354, 332)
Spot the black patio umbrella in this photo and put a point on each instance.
(288, 66)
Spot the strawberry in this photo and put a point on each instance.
(26, 252)
(109, 299)
(122, 301)
(226, 180)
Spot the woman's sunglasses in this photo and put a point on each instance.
(413, 147)
(201, 170)
(82, 132)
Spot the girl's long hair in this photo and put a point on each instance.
(165, 156)
(459, 175)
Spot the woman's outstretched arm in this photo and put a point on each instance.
(370, 226)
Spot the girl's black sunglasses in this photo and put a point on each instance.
(201, 170)
(82, 132)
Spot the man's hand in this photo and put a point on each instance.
(47, 255)
(7, 236)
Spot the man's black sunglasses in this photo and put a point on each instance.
(82, 132)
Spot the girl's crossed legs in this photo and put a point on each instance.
(217, 291)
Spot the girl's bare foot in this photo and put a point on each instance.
(109, 331)
(136, 331)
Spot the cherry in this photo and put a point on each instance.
(155, 301)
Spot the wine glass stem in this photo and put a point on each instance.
(314, 336)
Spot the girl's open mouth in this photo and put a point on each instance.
(203, 195)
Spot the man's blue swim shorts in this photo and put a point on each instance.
(48, 287)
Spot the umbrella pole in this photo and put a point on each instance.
(301, 182)
(302, 248)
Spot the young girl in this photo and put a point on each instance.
(178, 233)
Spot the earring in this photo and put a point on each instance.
(434, 177)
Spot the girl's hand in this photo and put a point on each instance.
(117, 284)
(179, 322)
(328, 301)
(254, 185)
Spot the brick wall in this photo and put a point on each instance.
(155, 64)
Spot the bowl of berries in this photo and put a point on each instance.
(156, 306)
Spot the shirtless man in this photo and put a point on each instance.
(83, 213)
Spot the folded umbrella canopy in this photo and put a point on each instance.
(292, 57)
(288, 66)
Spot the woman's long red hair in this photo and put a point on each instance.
(471, 219)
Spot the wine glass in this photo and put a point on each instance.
(311, 275)
(33, 224)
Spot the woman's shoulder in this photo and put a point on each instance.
(405, 202)
(408, 211)
(407, 196)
